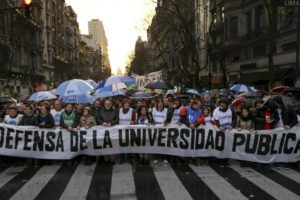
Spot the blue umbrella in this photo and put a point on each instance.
(193, 91)
(120, 81)
(109, 91)
(92, 83)
(84, 98)
(42, 96)
(75, 91)
(239, 88)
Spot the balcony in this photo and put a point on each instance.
(232, 5)
(230, 44)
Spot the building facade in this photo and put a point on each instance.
(39, 52)
(97, 31)
(21, 49)
(240, 42)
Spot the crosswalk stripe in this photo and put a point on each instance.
(79, 184)
(273, 188)
(291, 174)
(247, 188)
(217, 183)
(122, 183)
(147, 187)
(11, 187)
(101, 182)
(31, 189)
(193, 184)
(3, 167)
(282, 180)
(55, 187)
(9, 174)
(169, 183)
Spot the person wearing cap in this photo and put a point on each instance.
(12, 118)
(223, 116)
(126, 114)
(87, 120)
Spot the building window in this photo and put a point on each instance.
(234, 27)
(249, 22)
(248, 53)
(259, 18)
(289, 46)
(226, 29)
(235, 58)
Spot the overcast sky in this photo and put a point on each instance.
(124, 21)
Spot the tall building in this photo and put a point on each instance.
(96, 30)
(20, 49)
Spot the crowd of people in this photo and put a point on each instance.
(225, 112)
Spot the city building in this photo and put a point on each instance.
(91, 62)
(97, 31)
(172, 42)
(240, 42)
(21, 49)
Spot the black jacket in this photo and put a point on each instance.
(289, 116)
(96, 114)
(170, 114)
(260, 119)
(48, 120)
(29, 120)
(109, 116)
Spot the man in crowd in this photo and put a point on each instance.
(173, 115)
(108, 115)
(29, 119)
(13, 118)
(69, 118)
(56, 112)
(96, 111)
(223, 116)
(191, 115)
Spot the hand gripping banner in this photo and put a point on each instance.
(206, 141)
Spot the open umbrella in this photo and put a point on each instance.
(42, 96)
(240, 88)
(92, 83)
(160, 85)
(75, 91)
(121, 82)
(278, 89)
(142, 95)
(109, 91)
(193, 91)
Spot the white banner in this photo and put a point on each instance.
(206, 141)
(142, 81)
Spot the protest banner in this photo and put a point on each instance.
(142, 81)
(207, 141)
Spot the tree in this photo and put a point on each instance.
(176, 19)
